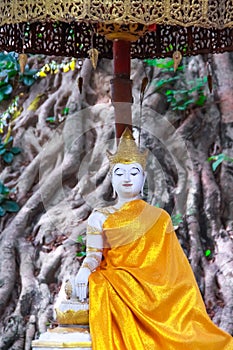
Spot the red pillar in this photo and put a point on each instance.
(121, 86)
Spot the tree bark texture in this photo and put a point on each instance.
(61, 175)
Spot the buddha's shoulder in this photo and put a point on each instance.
(158, 210)
(105, 210)
(98, 217)
(99, 214)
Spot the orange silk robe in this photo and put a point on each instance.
(144, 295)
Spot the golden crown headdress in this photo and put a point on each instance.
(127, 151)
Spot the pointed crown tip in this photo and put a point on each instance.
(127, 133)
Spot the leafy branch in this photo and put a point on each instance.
(179, 93)
(6, 203)
(9, 70)
(81, 247)
(218, 159)
(7, 151)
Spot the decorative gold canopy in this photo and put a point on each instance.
(204, 13)
(72, 27)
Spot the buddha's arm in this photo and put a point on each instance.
(93, 253)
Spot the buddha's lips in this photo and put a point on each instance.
(127, 185)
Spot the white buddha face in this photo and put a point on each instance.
(128, 180)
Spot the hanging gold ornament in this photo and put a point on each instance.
(210, 83)
(177, 57)
(93, 53)
(80, 84)
(23, 58)
(209, 77)
(143, 88)
(144, 85)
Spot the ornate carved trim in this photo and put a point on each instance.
(76, 39)
(205, 13)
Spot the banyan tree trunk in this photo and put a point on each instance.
(61, 175)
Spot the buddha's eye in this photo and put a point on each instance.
(134, 171)
(118, 172)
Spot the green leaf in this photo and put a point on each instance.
(81, 254)
(80, 239)
(10, 64)
(2, 56)
(201, 100)
(8, 157)
(15, 150)
(3, 189)
(180, 108)
(2, 198)
(6, 90)
(51, 119)
(3, 82)
(12, 73)
(219, 160)
(10, 206)
(207, 252)
(176, 219)
(3, 75)
(65, 111)
(151, 62)
(165, 63)
(2, 211)
(171, 47)
(220, 156)
(30, 72)
(188, 102)
(211, 158)
(28, 81)
(1, 96)
(2, 151)
(169, 92)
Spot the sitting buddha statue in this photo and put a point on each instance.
(142, 290)
(136, 279)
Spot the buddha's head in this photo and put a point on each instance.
(127, 167)
(128, 180)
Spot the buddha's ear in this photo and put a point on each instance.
(145, 176)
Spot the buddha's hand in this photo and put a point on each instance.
(81, 283)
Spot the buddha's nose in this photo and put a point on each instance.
(127, 177)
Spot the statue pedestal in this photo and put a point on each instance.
(62, 337)
(72, 332)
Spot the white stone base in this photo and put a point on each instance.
(64, 338)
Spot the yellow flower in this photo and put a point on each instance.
(42, 74)
(73, 64)
(46, 67)
(66, 68)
